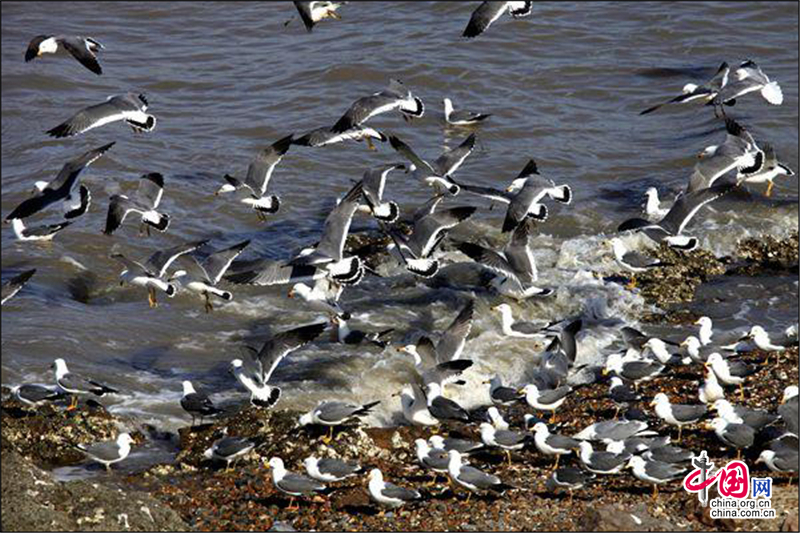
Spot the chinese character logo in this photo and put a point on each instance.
(761, 487)
(733, 480)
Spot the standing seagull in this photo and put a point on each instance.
(395, 96)
(771, 169)
(84, 49)
(504, 439)
(748, 77)
(129, 107)
(12, 286)
(61, 188)
(229, 449)
(415, 407)
(655, 472)
(488, 12)
(652, 205)
(144, 203)
(197, 404)
(471, 478)
(462, 117)
(329, 470)
(151, 273)
(675, 414)
(735, 435)
(313, 12)
(75, 384)
(551, 443)
(632, 260)
(730, 372)
(437, 174)
(704, 93)
(34, 395)
(761, 339)
(389, 494)
(203, 275)
(256, 182)
(602, 462)
(333, 413)
(109, 452)
(291, 483)
(256, 369)
(373, 185)
(516, 328)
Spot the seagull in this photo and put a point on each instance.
(324, 136)
(443, 408)
(783, 460)
(635, 371)
(761, 339)
(602, 462)
(346, 335)
(655, 472)
(451, 342)
(504, 439)
(462, 117)
(788, 408)
(34, 395)
(439, 173)
(710, 390)
(488, 12)
(514, 265)
(658, 348)
(291, 483)
(612, 430)
(771, 169)
(129, 107)
(145, 204)
(496, 418)
(395, 96)
(748, 77)
(568, 478)
(415, 407)
(108, 452)
(551, 443)
(757, 419)
(502, 395)
(75, 384)
(529, 189)
(471, 478)
(737, 436)
(61, 188)
(429, 370)
(84, 49)
(463, 446)
(323, 297)
(256, 367)
(313, 12)
(621, 394)
(373, 185)
(13, 285)
(632, 260)
(151, 273)
(730, 372)
(202, 275)
(389, 494)
(702, 93)
(668, 454)
(514, 328)
(738, 152)
(677, 414)
(334, 413)
(44, 232)
(427, 233)
(693, 345)
(670, 228)
(253, 189)
(229, 449)
(197, 404)
(545, 400)
(435, 459)
(329, 470)
(330, 249)
(652, 206)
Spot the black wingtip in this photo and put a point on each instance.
(60, 131)
(632, 224)
(281, 146)
(530, 168)
(156, 177)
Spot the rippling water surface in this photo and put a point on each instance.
(564, 85)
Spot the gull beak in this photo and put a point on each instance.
(605, 372)
(652, 403)
(509, 188)
(291, 294)
(683, 343)
(487, 382)
(401, 349)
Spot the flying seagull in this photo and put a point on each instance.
(203, 275)
(255, 368)
(84, 49)
(437, 174)
(748, 77)
(13, 285)
(670, 228)
(373, 187)
(488, 12)
(323, 297)
(144, 203)
(254, 187)
(152, 273)
(395, 96)
(61, 189)
(739, 151)
(702, 93)
(129, 107)
(44, 232)
(462, 117)
(313, 12)
(324, 136)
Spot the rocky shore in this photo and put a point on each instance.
(192, 493)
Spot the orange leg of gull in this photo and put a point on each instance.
(151, 297)
(73, 403)
(555, 465)
(655, 492)
(291, 501)
(680, 430)
(769, 188)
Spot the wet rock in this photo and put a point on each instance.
(618, 518)
(790, 523)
